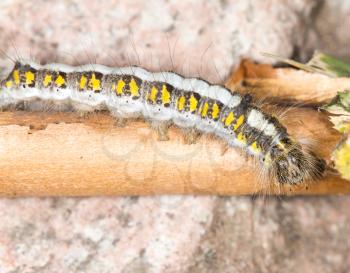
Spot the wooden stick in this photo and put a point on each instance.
(61, 154)
(285, 84)
(55, 154)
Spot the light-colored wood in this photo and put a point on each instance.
(61, 154)
(285, 85)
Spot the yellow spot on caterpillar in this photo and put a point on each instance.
(30, 77)
(9, 84)
(47, 80)
(60, 81)
(193, 103)
(16, 76)
(94, 83)
(153, 95)
(241, 137)
(134, 89)
(120, 87)
(165, 95)
(230, 118)
(239, 122)
(255, 147)
(181, 103)
(82, 83)
(216, 111)
(205, 109)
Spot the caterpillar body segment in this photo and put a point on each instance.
(163, 98)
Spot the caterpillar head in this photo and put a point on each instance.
(293, 166)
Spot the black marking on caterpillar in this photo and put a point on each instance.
(168, 97)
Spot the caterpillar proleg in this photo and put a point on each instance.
(164, 98)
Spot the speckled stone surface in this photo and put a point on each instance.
(173, 233)
(193, 37)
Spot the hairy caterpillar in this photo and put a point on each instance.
(165, 97)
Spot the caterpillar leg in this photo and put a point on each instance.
(37, 105)
(162, 129)
(120, 122)
(191, 135)
(83, 109)
(84, 114)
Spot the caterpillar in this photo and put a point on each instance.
(164, 98)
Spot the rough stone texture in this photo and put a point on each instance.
(173, 233)
(330, 28)
(193, 37)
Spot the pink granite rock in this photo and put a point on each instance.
(196, 38)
